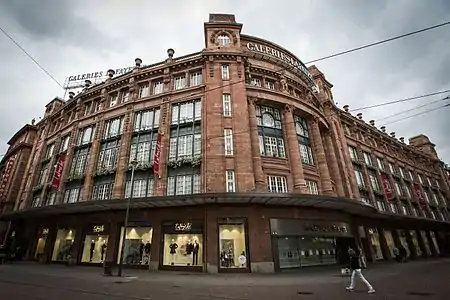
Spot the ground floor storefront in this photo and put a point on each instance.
(223, 237)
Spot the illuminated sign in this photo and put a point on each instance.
(98, 228)
(45, 231)
(326, 228)
(98, 74)
(281, 56)
(183, 226)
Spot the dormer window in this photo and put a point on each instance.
(223, 40)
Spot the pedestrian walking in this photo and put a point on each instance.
(355, 268)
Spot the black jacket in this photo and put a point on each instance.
(354, 263)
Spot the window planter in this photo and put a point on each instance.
(74, 177)
(104, 172)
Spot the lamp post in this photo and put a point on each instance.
(122, 248)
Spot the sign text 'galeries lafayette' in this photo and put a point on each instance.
(99, 74)
(280, 55)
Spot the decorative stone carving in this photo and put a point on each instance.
(289, 108)
(283, 82)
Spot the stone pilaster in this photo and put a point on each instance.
(256, 154)
(164, 130)
(327, 187)
(334, 167)
(295, 159)
(122, 163)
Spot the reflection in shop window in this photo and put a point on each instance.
(94, 250)
(183, 250)
(138, 244)
(232, 248)
(62, 250)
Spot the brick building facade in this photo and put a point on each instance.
(258, 170)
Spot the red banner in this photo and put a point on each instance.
(58, 172)
(422, 201)
(6, 175)
(157, 155)
(387, 186)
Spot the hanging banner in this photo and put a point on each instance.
(6, 175)
(387, 186)
(156, 156)
(422, 201)
(58, 172)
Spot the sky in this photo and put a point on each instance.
(71, 37)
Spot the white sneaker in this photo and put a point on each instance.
(371, 291)
(349, 289)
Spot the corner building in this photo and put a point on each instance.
(258, 170)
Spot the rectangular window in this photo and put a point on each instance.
(225, 70)
(102, 190)
(195, 79)
(36, 201)
(43, 175)
(113, 100)
(113, 128)
(86, 135)
(404, 209)
(407, 190)
(51, 198)
(272, 146)
(359, 177)
(185, 143)
(353, 153)
(256, 82)
(367, 158)
(393, 207)
(435, 199)
(437, 183)
(79, 161)
(402, 172)
(226, 99)
(420, 178)
(429, 181)
(147, 120)
(49, 151)
(374, 182)
(306, 154)
(228, 137)
(144, 90)
(391, 168)
(87, 108)
(72, 194)
(186, 112)
(270, 85)
(97, 106)
(312, 187)
(125, 96)
(427, 197)
(380, 205)
(398, 188)
(230, 180)
(158, 87)
(184, 184)
(64, 143)
(179, 82)
(277, 184)
(108, 156)
(380, 164)
(142, 187)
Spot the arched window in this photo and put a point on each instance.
(304, 143)
(223, 40)
(270, 131)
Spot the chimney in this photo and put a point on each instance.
(71, 94)
(383, 129)
(346, 108)
(372, 122)
(138, 62)
(359, 115)
(393, 134)
(111, 73)
(87, 83)
(402, 139)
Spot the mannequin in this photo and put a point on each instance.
(173, 246)
(91, 250)
(103, 249)
(147, 248)
(189, 247)
(141, 251)
(195, 249)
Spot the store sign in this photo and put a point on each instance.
(419, 195)
(183, 226)
(6, 175)
(98, 74)
(326, 228)
(279, 55)
(387, 186)
(45, 231)
(98, 228)
(58, 172)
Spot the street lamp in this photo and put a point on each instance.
(122, 248)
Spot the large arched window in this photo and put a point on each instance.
(304, 143)
(223, 40)
(270, 131)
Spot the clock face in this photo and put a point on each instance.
(268, 120)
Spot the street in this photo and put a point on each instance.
(412, 280)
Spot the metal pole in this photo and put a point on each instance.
(122, 248)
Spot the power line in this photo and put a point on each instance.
(30, 57)
(414, 108)
(378, 43)
(399, 101)
(421, 113)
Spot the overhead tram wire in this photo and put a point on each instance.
(31, 57)
(414, 108)
(418, 114)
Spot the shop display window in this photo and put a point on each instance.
(183, 250)
(138, 243)
(317, 251)
(390, 242)
(433, 238)
(376, 246)
(405, 245)
(289, 252)
(232, 248)
(62, 249)
(425, 242)
(94, 250)
(416, 243)
(40, 247)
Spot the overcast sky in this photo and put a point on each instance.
(71, 37)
